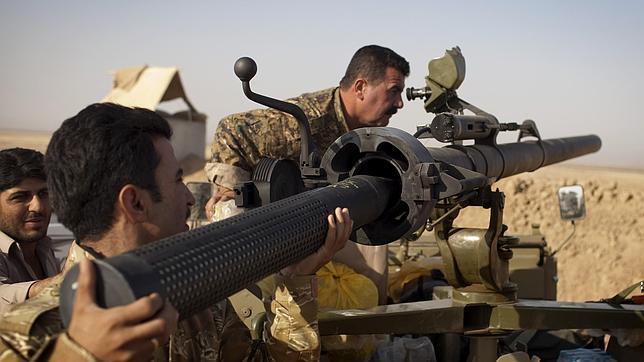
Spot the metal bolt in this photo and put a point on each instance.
(246, 312)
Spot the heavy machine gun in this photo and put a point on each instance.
(393, 185)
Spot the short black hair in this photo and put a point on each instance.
(371, 62)
(93, 155)
(18, 164)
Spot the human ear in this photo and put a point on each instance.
(359, 87)
(130, 202)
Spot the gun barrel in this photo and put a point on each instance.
(514, 158)
(200, 267)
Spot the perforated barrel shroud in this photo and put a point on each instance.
(198, 268)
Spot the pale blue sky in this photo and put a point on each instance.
(575, 67)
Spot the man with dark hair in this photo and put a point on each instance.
(116, 183)
(368, 95)
(26, 256)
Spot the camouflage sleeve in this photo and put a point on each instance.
(235, 149)
(65, 349)
(242, 139)
(57, 348)
(292, 328)
(215, 334)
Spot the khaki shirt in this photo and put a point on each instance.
(33, 330)
(242, 139)
(16, 276)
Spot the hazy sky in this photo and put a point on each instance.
(575, 67)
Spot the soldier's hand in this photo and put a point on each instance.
(131, 332)
(340, 227)
(222, 194)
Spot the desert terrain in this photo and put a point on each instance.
(606, 253)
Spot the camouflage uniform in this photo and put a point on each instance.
(33, 330)
(242, 139)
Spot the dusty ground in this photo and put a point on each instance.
(605, 255)
(34, 140)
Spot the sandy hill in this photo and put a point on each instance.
(605, 255)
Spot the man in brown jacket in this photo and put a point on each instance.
(26, 256)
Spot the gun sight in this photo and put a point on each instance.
(449, 127)
(413, 93)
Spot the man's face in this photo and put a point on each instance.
(169, 216)
(380, 101)
(25, 210)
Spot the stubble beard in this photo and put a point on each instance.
(14, 232)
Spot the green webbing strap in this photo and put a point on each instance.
(620, 297)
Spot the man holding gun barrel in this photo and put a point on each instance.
(115, 182)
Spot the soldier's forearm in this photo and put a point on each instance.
(38, 286)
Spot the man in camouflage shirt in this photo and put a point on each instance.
(115, 182)
(368, 95)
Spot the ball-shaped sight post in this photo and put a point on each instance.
(245, 68)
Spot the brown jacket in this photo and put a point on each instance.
(16, 276)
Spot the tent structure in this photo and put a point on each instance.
(147, 87)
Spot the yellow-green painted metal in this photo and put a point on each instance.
(444, 74)
(447, 315)
(433, 316)
(476, 260)
(546, 314)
